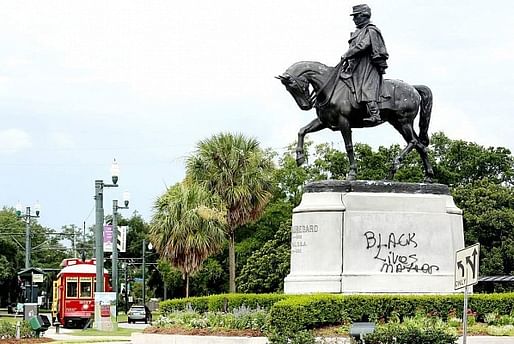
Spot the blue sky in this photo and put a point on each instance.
(83, 82)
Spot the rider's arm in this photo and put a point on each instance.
(362, 44)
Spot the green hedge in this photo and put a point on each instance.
(291, 317)
(301, 313)
(410, 334)
(221, 303)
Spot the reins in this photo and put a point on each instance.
(332, 79)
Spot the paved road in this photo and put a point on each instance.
(488, 340)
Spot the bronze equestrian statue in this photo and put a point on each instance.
(343, 97)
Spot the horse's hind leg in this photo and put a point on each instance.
(408, 133)
(398, 160)
(429, 172)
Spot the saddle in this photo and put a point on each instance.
(387, 92)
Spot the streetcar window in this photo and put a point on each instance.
(71, 287)
(85, 287)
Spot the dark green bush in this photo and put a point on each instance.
(410, 334)
(305, 312)
(292, 317)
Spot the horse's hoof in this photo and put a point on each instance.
(300, 161)
(428, 180)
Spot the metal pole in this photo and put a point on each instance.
(28, 244)
(99, 236)
(115, 250)
(465, 312)
(144, 284)
(126, 289)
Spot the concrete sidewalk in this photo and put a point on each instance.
(487, 340)
(66, 336)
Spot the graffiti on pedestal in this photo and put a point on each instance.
(396, 253)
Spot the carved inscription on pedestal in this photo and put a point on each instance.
(299, 236)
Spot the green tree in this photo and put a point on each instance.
(460, 162)
(137, 231)
(267, 267)
(183, 230)
(488, 209)
(236, 170)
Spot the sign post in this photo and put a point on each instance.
(466, 274)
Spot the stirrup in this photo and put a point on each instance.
(372, 119)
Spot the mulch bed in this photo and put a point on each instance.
(26, 341)
(204, 332)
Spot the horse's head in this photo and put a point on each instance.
(298, 86)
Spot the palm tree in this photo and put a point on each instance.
(183, 231)
(236, 170)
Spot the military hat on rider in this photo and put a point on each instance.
(361, 9)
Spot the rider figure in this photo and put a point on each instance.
(365, 61)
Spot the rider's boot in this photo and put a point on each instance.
(374, 113)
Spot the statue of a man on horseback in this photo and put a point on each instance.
(365, 61)
(338, 94)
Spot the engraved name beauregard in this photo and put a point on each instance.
(297, 240)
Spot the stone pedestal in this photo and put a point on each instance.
(374, 237)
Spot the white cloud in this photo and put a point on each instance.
(14, 140)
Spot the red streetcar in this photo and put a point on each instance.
(73, 292)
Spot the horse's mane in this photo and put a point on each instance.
(304, 66)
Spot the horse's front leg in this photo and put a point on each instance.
(346, 131)
(313, 126)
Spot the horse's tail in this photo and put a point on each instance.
(425, 113)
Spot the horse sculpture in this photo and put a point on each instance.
(337, 109)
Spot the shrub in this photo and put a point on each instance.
(299, 313)
(221, 302)
(505, 330)
(240, 319)
(8, 330)
(411, 332)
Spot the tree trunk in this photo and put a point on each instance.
(232, 262)
(187, 284)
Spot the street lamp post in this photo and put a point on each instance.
(144, 268)
(115, 208)
(125, 267)
(28, 243)
(99, 240)
(28, 240)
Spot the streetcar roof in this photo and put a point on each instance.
(80, 269)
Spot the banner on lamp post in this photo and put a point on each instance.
(108, 236)
(122, 238)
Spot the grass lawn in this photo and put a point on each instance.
(122, 317)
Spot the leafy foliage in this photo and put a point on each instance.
(419, 330)
(180, 230)
(273, 256)
(221, 302)
(238, 172)
(239, 318)
(8, 330)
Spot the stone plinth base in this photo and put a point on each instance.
(374, 237)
